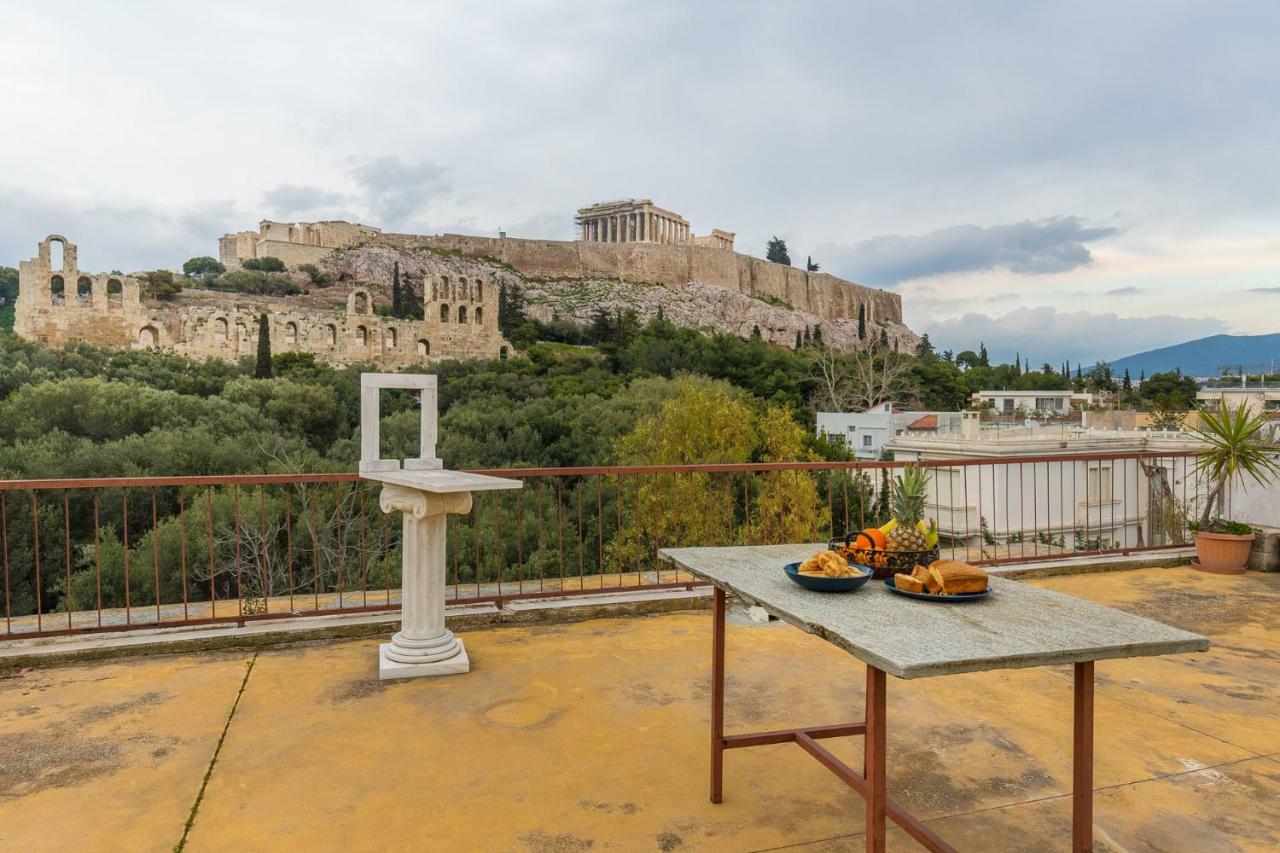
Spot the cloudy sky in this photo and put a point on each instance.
(1078, 180)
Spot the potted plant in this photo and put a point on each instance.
(1239, 449)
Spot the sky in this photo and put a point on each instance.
(1066, 181)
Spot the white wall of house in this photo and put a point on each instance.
(1032, 401)
(867, 433)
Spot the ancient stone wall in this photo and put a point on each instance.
(59, 305)
(820, 294)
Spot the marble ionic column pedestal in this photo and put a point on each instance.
(423, 645)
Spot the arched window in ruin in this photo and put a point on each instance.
(444, 287)
(479, 290)
(424, 347)
(242, 336)
(291, 333)
(502, 353)
(462, 313)
(220, 330)
(57, 250)
(57, 289)
(479, 312)
(362, 336)
(444, 313)
(360, 303)
(84, 289)
(114, 287)
(331, 334)
(391, 338)
(148, 336)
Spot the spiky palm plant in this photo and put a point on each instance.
(1240, 448)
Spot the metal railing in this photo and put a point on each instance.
(123, 553)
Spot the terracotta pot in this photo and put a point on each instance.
(1222, 553)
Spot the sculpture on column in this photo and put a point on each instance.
(424, 494)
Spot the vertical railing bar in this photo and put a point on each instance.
(560, 525)
(182, 548)
(600, 528)
(340, 543)
(386, 549)
(582, 545)
(520, 539)
(4, 534)
(35, 527)
(213, 590)
(964, 472)
(124, 508)
(542, 560)
(475, 542)
(155, 550)
(364, 557)
(497, 539)
(617, 501)
(288, 544)
(235, 521)
(66, 532)
(309, 499)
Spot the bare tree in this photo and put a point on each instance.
(859, 379)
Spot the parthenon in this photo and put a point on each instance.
(639, 221)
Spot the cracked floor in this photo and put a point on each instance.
(593, 736)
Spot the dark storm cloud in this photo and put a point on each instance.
(1049, 245)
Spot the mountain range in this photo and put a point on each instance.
(1206, 356)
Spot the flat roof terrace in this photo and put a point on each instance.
(594, 736)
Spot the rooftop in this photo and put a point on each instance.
(594, 736)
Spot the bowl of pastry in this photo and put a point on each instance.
(828, 571)
(949, 581)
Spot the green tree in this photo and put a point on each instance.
(159, 284)
(8, 284)
(262, 368)
(1179, 390)
(810, 265)
(313, 272)
(203, 267)
(984, 360)
(777, 251)
(267, 264)
(862, 322)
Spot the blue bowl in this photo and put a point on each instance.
(824, 584)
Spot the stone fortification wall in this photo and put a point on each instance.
(57, 304)
(819, 294)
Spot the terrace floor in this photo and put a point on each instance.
(593, 736)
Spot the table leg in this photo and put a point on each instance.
(717, 694)
(874, 759)
(1082, 773)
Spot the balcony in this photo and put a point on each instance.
(594, 736)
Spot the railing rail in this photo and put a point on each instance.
(124, 553)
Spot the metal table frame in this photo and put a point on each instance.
(870, 783)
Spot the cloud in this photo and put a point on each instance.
(1264, 290)
(291, 201)
(1046, 334)
(396, 190)
(1056, 244)
(1122, 291)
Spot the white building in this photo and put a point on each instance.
(1064, 488)
(1261, 397)
(1045, 402)
(866, 433)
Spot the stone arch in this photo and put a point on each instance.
(362, 336)
(148, 336)
(242, 336)
(58, 261)
(462, 314)
(503, 352)
(444, 313)
(220, 329)
(84, 289)
(479, 315)
(444, 288)
(479, 290)
(391, 338)
(114, 287)
(290, 332)
(424, 347)
(331, 334)
(57, 289)
(360, 301)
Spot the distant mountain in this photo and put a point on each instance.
(1206, 356)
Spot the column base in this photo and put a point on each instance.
(389, 669)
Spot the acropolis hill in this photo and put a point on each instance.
(631, 255)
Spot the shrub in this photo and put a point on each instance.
(253, 281)
(264, 265)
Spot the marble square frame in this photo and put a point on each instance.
(371, 387)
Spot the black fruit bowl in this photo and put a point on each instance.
(884, 564)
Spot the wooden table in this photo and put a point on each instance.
(1017, 626)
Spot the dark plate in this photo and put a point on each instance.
(945, 599)
(822, 584)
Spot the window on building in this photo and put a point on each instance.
(479, 314)
(866, 440)
(290, 333)
(391, 338)
(1049, 404)
(1101, 484)
(1007, 404)
(462, 314)
(220, 328)
(362, 336)
(424, 347)
(57, 289)
(444, 313)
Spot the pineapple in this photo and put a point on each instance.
(909, 533)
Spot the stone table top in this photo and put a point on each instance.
(442, 482)
(1018, 625)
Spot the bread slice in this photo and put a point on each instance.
(952, 577)
(909, 583)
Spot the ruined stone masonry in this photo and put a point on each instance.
(459, 318)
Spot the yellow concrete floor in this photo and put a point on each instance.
(593, 736)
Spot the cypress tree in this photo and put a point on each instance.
(817, 335)
(984, 360)
(262, 370)
(397, 299)
(862, 322)
(808, 337)
(755, 332)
